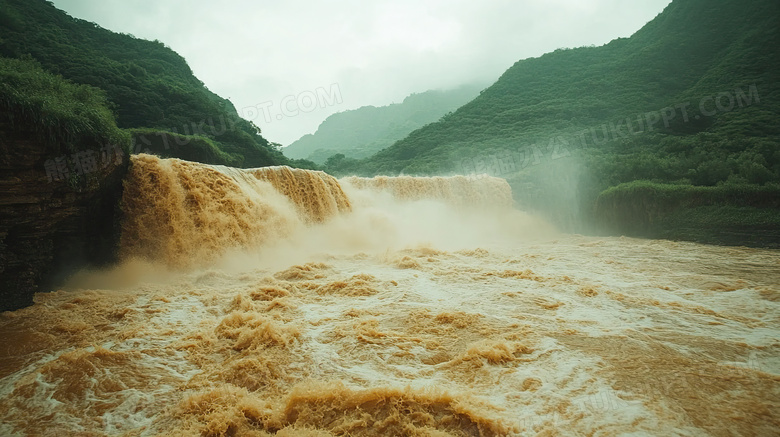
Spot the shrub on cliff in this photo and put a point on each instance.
(67, 117)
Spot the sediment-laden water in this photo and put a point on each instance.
(283, 302)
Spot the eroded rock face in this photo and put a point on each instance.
(58, 211)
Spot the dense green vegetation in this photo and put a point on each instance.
(66, 117)
(362, 132)
(728, 213)
(147, 84)
(673, 196)
(694, 50)
(189, 147)
(693, 98)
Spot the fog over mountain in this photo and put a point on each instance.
(376, 53)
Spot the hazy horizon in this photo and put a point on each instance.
(270, 60)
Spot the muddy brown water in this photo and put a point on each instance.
(281, 302)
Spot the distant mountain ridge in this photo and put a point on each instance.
(694, 49)
(690, 100)
(361, 132)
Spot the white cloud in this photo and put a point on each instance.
(260, 52)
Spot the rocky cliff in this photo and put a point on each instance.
(62, 160)
(58, 212)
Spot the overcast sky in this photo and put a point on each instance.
(287, 65)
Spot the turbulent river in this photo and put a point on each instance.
(284, 302)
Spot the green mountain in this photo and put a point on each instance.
(694, 49)
(361, 132)
(149, 86)
(691, 99)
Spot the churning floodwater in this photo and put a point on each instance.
(284, 302)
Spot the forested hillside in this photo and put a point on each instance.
(693, 50)
(148, 85)
(691, 99)
(362, 132)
